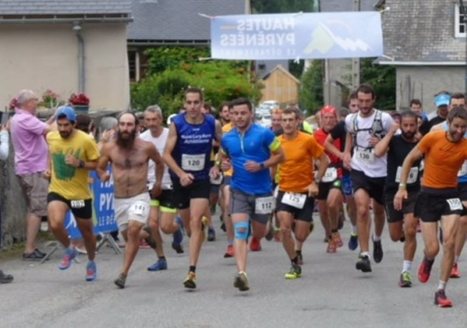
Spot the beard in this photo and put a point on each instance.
(408, 135)
(126, 140)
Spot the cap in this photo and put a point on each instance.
(442, 100)
(328, 109)
(67, 112)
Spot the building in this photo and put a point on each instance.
(280, 85)
(67, 46)
(426, 42)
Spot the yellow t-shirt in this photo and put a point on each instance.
(68, 181)
(226, 128)
(296, 172)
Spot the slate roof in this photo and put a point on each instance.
(63, 7)
(421, 31)
(346, 5)
(178, 19)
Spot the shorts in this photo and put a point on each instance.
(373, 186)
(303, 214)
(135, 208)
(165, 201)
(431, 204)
(183, 195)
(35, 187)
(215, 188)
(347, 185)
(242, 203)
(462, 188)
(226, 180)
(407, 207)
(81, 209)
(325, 187)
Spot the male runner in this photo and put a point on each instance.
(402, 223)
(297, 186)
(72, 154)
(130, 157)
(364, 130)
(444, 154)
(188, 156)
(252, 150)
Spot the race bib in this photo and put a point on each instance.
(216, 181)
(139, 208)
(294, 200)
(264, 205)
(455, 204)
(193, 162)
(330, 175)
(463, 170)
(365, 155)
(413, 175)
(77, 203)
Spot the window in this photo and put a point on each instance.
(460, 20)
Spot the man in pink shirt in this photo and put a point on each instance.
(31, 162)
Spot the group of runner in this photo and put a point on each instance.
(269, 180)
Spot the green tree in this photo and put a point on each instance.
(383, 79)
(311, 89)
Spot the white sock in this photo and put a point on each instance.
(376, 238)
(406, 266)
(365, 254)
(441, 285)
(354, 230)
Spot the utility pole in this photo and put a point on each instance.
(356, 61)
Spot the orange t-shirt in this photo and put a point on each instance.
(443, 160)
(296, 172)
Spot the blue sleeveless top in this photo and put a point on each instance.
(194, 145)
(462, 178)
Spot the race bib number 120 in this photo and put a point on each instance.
(264, 205)
(193, 162)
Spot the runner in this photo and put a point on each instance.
(188, 153)
(252, 150)
(163, 212)
(364, 130)
(444, 154)
(402, 224)
(73, 154)
(330, 197)
(297, 188)
(130, 157)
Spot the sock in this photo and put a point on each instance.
(441, 285)
(406, 266)
(162, 258)
(456, 259)
(365, 254)
(294, 260)
(192, 268)
(354, 230)
(376, 238)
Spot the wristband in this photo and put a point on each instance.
(81, 164)
(402, 186)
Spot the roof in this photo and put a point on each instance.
(282, 69)
(421, 32)
(63, 7)
(346, 5)
(178, 20)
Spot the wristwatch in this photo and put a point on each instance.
(261, 165)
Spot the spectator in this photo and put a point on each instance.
(31, 161)
(417, 107)
(4, 150)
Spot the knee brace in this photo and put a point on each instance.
(241, 230)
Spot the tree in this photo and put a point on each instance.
(311, 89)
(383, 79)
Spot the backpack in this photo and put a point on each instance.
(376, 128)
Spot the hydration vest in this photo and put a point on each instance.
(376, 128)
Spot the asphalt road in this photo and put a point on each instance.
(331, 292)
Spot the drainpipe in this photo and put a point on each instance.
(81, 59)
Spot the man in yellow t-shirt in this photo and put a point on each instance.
(72, 154)
(297, 186)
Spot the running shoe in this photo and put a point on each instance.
(353, 242)
(424, 270)
(332, 247)
(91, 271)
(70, 254)
(211, 234)
(120, 281)
(405, 279)
(299, 258)
(241, 282)
(441, 300)
(161, 264)
(337, 239)
(294, 273)
(363, 263)
(377, 251)
(190, 280)
(229, 252)
(255, 245)
(35, 255)
(5, 278)
(455, 272)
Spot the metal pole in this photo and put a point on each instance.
(356, 61)
(463, 11)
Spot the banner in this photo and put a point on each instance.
(103, 208)
(297, 36)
